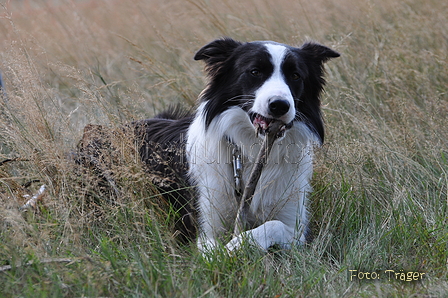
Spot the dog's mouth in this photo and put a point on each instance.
(261, 124)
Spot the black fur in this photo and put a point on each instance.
(162, 149)
(229, 63)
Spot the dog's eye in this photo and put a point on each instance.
(255, 72)
(295, 76)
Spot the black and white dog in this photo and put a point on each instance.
(250, 84)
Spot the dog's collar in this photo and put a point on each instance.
(237, 165)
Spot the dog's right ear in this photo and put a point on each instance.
(217, 51)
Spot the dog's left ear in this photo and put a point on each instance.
(319, 52)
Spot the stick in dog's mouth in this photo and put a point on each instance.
(263, 124)
(272, 132)
(275, 129)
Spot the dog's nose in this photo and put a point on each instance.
(278, 106)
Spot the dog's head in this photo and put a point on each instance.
(266, 79)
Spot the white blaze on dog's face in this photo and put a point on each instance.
(274, 99)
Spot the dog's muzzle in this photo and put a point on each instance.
(261, 124)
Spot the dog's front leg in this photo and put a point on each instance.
(209, 230)
(264, 236)
(213, 219)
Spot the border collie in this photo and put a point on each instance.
(249, 85)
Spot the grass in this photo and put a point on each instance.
(380, 197)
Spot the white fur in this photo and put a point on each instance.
(274, 86)
(280, 197)
(279, 202)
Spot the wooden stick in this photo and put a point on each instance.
(244, 208)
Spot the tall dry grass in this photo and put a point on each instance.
(380, 199)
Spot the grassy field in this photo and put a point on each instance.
(380, 199)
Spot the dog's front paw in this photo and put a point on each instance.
(244, 239)
(234, 244)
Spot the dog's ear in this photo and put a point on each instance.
(217, 51)
(318, 52)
